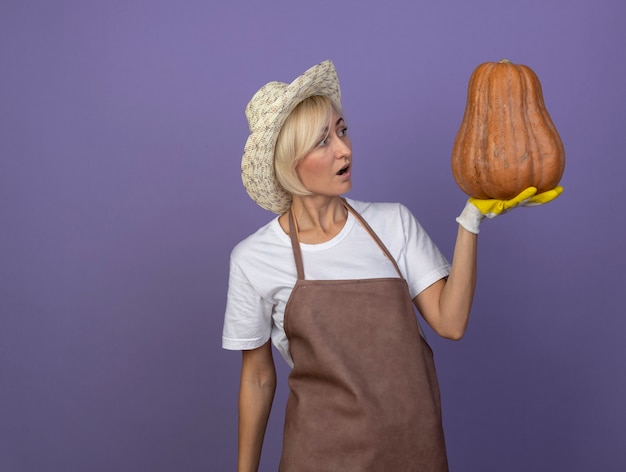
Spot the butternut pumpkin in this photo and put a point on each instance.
(507, 140)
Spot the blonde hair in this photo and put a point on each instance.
(298, 136)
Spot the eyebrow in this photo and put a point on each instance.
(326, 129)
(337, 123)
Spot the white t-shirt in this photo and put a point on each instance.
(263, 270)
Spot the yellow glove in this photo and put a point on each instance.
(477, 210)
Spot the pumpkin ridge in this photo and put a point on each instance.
(558, 161)
(489, 153)
(501, 142)
(550, 148)
(527, 172)
(481, 165)
(467, 158)
(504, 140)
(457, 161)
(532, 127)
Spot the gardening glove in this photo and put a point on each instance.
(477, 210)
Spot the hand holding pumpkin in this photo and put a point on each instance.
(507, 148)
(477, 209)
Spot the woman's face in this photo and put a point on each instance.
(326, 170)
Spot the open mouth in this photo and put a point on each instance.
(344, 169)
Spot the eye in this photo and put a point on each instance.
(343, 132)
(323, 141)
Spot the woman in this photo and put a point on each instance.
(333, 283)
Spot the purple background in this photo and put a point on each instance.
(121, 133)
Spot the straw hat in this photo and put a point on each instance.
(266, 114)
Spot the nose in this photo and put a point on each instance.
(343, 148)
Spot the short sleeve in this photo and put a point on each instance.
(248, 318)
(421, 260)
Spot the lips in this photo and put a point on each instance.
(344, 169)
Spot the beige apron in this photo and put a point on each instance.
(363, 390)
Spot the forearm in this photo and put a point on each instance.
(255, 402)
(458, 292)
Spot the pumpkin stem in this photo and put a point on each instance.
(505, 61)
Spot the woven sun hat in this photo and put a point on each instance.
(266, 113)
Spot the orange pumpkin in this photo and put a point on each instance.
(507, 141)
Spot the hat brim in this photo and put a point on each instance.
(267, 112)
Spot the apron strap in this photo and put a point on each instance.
(295, 244)
(297, 252)
(374, 236)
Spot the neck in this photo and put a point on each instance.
(319, 218)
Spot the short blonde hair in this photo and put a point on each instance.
(298, 136)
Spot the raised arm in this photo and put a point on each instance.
(446, 304)
(256, 394)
